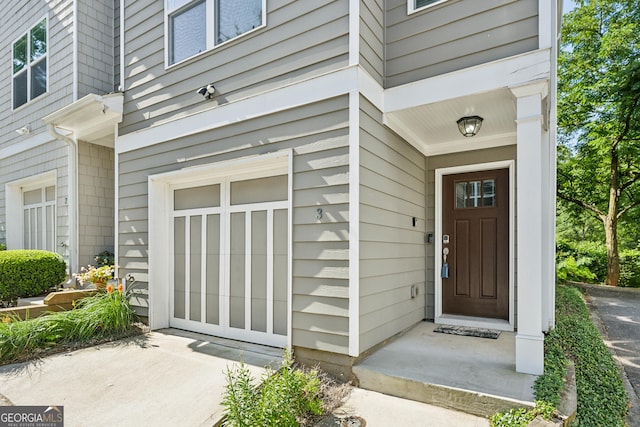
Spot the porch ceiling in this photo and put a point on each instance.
(432, 128)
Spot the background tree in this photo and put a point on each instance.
(599, 116)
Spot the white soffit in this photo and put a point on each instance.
(433, 128)
(91, 118)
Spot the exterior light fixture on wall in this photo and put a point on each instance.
(25, 130)
(469, 126)
(207, 91)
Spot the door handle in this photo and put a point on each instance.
(444, 272)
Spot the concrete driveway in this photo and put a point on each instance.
(165, 378)
(618, 312)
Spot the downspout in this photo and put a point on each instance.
(72, 188)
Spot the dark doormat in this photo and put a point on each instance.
(467, 331)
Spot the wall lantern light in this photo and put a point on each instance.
(469, 126)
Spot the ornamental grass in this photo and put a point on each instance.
(105, 314)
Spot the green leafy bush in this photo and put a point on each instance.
(587, 262)
(630, 268)
(521, 417)
(581, 261)
(283, 397)
(3, 247)
(102, 315)
(26, 273)
(602, 400)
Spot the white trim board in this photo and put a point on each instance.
(499, 74)
(439, 317)
(27, 144)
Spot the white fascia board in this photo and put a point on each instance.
(494, 75)
(28, 144)
(308, 91)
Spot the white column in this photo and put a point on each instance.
(530, 210)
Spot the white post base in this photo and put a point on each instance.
(530, 354)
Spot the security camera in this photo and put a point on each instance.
(25, 130)
(207, 91)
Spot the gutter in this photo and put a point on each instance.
(72, 188)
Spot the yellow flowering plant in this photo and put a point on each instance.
(97, 275)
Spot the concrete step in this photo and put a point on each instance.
(458, 399)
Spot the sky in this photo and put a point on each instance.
(568, 5)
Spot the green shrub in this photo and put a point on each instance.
(102, 315)
(26, 273)
(521, 417)
(602, 400)
(581, 261)
(282, 399)
(3, 247)
(630, 268)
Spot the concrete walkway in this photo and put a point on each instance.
(616, 313)
(175, 378)
(474, 375)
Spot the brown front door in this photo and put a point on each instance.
(475, 216)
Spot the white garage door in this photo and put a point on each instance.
(230, 259)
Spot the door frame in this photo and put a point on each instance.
(458, 320)
(160, 209)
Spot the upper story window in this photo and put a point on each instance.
(194, 26)
(29, 55)
(415, 5)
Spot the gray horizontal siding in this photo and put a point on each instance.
(301, 39)
(95, 21)
(372, 38)
(455, 35)
(17, 17)
(392, 251)
(318, 135)
(445, 161)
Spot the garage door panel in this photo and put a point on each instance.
(195, 268)
(231, 261)
(259, 271)
(213, 270)
(179, 267)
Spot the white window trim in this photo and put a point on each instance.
(28, 66)
(210, 30)
(478, 322)
(411, 6)
(14, 205)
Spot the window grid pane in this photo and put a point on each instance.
(423, 3)
(488, 192)
(475, 194)
(20, 54)
(188, 32)
(38, 40)
(236, 17)
(39, 78)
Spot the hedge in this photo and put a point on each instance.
(27, 273)
(587, 262)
